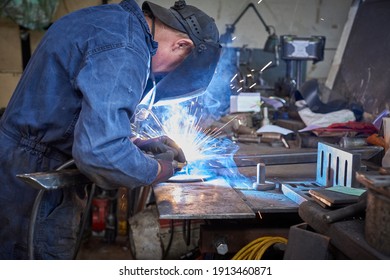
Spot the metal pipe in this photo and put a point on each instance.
(289, 158)
(251, 5)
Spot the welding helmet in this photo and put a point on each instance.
(193, 75)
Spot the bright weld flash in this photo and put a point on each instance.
(201, 147)
(186, 131)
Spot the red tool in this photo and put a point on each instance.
(99, 213)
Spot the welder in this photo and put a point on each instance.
(76, 100)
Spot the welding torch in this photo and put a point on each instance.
(176, 164)
(180, 165)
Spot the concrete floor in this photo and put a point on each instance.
(96, 248)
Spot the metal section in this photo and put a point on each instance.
(298, 191)
(55, 179)
(346, 212)
(273, 201)
(378, 182)
(276, 159)
(261, 184)
(336, 166)
(301, 241)
(207, 200)
(295, 156)
(188, 178)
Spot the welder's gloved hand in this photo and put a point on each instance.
(168, 156)
(161, 145)
(166, 171)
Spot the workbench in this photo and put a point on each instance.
(216, 198)
(238, 214)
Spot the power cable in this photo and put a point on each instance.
(256, 249)
(166, 250)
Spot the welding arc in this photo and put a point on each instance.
(256, 249)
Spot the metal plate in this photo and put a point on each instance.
(270, 201)
(189, 178)
(55, 179)
(207, 200)
(336, 166)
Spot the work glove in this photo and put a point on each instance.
(168, 166)
(167, 169)
(162, 146)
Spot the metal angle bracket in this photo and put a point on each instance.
(336, 166)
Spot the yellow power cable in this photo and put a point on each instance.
(255, 249)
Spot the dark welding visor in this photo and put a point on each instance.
(193, 75)
(191, 78)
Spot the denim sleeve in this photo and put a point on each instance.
(111, 83)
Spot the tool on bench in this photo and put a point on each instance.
(335, 167)
(347, 211)
(261, 184)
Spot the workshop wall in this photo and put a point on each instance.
(303, 18)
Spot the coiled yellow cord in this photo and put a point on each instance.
(255, 249)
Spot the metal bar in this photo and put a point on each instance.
(55, 179)
(298, 157)
(276, 159)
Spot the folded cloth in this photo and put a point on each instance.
(351, 126)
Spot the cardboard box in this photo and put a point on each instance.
(245, 102)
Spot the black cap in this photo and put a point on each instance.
(192, 77)
(187, 19)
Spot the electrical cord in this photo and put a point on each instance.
(31, 226)
(256, 249)
(187, 231)
(84, 221)
(166, 250)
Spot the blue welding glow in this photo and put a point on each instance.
(206, 150)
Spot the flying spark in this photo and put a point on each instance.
(206, 150)
(265, 67)
(235, 76)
